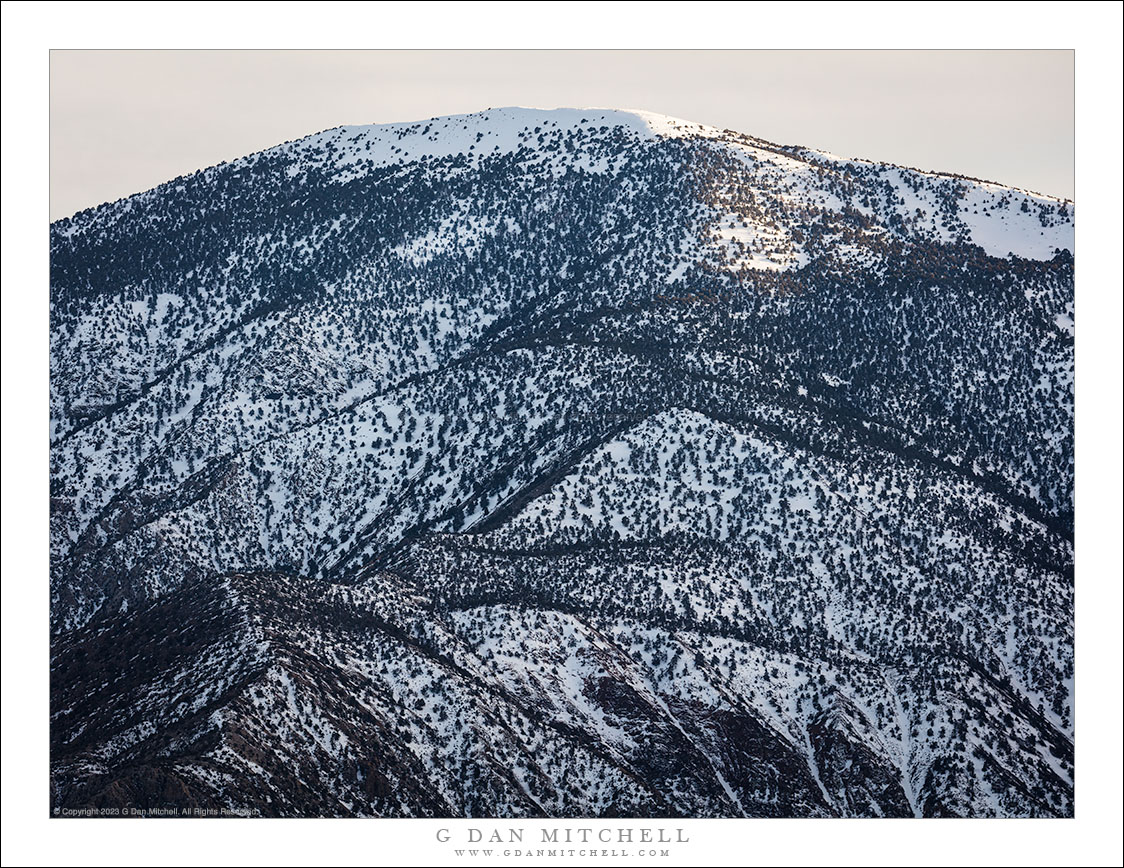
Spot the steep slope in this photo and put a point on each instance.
(564, 462)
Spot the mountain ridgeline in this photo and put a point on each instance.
(563, 463)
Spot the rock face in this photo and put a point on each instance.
(563, 463)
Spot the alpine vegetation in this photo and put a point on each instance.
(565, 463)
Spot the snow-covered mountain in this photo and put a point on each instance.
(568, 463)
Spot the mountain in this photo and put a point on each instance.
(563, 463)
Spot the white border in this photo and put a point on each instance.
(30, 29)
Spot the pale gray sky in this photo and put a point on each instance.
(125, 121)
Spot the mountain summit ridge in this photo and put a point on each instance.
(511, 119)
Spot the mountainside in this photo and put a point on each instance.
(563, 463)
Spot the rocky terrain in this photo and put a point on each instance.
(563, 463)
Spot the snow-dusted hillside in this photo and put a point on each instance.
(567, 462)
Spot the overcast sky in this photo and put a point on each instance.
(124, 121)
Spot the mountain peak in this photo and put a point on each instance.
(571, 462)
